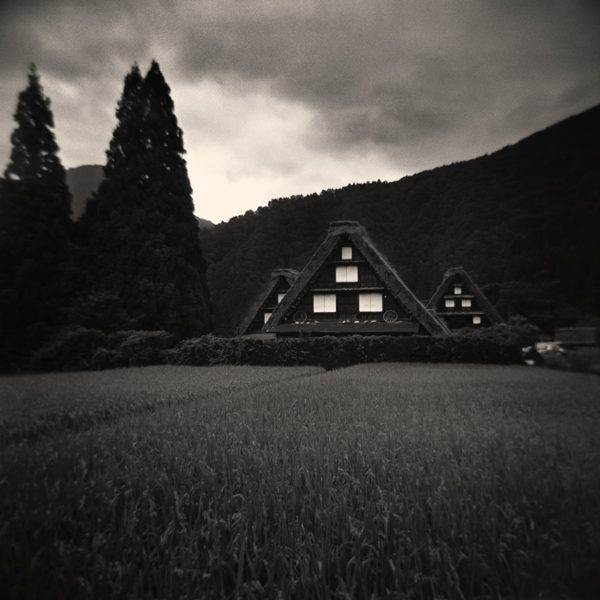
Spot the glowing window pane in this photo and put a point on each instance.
(370, 303)
(449, 303)
(324, 303)
(346, 253)
(267, 316)
(466, 303)
(346, 274)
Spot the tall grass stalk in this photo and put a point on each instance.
(405, 481)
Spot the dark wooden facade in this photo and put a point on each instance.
(349, 288)
(460, 302)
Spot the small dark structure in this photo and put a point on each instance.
(577, 337)
(348, 287)
(279, 284)
(460, 302)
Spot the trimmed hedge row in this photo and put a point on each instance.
(85, 349)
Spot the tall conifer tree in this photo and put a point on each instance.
(35, 208)
(144, 241)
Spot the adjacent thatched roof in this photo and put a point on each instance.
(358, 236)
(288, 274)
(448, 280)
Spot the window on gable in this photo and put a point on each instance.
(370, 303)
(324, 303)
(280, 297)
(346, 274)
(465, 303)
(449, 303)
(346, 253)
(476, 320)
(267, 316)
(457, 289)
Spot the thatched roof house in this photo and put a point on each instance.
(348, 287)
(278, 285)
(460, 303)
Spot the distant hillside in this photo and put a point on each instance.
(524, 222)
(204, 223)
(83, 182)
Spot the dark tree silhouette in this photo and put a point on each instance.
(147, 270)
(35, 227)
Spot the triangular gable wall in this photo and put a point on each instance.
(459, 316)
(412, 315)
(280, 282)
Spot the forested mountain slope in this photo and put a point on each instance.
(83, 182)
(524, 221)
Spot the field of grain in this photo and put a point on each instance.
(389, 480)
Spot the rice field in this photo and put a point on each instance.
(376, 481)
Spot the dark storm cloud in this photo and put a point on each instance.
(426, 80)
(402, 73)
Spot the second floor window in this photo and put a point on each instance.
(449, 303)
(346, 253)
(347, 274)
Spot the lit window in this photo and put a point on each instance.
(346, 274)
(324, 303)
(449, 303)
(346, 253)
(476, 320)
(457, 289)
(280, 297)
(370, 303)
(267, 316)
(465, 303)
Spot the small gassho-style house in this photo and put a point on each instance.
(460, 302)
(272, 294)
(347, 288)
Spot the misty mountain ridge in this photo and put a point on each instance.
(523, 221)
(83, 181)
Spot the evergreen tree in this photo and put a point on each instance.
(147, 263)
(35, 208)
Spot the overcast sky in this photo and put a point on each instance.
(284, 97)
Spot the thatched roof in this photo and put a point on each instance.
(384, 270)
(465, 279)
(288, 274)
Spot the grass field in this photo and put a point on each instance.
(389, 480)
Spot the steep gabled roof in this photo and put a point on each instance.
(384, 270)
(288, 275)
(448, 280)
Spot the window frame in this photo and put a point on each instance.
(344, 269)
(325, 305)
(361, 301)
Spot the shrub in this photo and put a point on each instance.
(69, 350)
(82, 349)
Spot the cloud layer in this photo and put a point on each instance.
(278, 97)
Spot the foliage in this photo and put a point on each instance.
(81, 349)
(415, 481)
(142, 245)
(522, 221)
(579, 360)
(35, 230)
